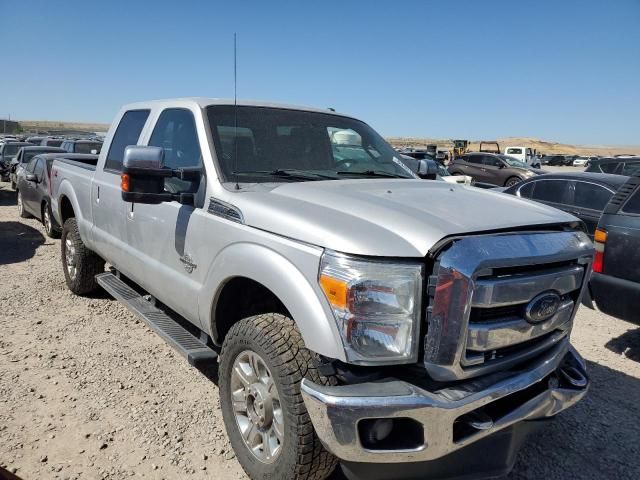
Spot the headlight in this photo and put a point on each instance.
(376, 305)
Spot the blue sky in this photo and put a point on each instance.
(561, 70)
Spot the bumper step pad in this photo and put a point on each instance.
(189, 346)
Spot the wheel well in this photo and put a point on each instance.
(66, 209)
(240, 298)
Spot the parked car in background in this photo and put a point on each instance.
(91, 147)
(629, 166)
(524, 154)
(51, 142)
(8, 151)
(615, 281)
(580, 161)
(584, 195)
(34, 188)
(35, 139)
(500, 170)
(553, 160)
(24, 156)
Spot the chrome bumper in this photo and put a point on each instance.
(545, 389)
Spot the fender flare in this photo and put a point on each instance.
(303, 299)
(65, 190)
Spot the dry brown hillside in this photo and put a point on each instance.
(540, 145)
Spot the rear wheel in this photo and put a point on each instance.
(21, 211)
(262, 363)
(80, 264)
(511, 181)
(50, 225)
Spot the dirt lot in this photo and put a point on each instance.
(87, 391)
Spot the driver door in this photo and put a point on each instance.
(492, 169)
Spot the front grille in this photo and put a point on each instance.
(481, 290)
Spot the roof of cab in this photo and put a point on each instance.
(203, 102)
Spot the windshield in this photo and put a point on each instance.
(514, 162)
(274, 144)
(11, 150)
(93, 148)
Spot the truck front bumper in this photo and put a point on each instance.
(397, 422)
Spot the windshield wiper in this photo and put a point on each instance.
(289, 173)
(373, 173)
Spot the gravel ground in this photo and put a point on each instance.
(88, 391)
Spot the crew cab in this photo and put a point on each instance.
(353, 317)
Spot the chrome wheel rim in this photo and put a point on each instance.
(70, 258)
(47, 219)
(256, 406)
(19, 203)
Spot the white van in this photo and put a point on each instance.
(524, 154)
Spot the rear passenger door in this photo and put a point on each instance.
(589, 200)
(492, 170)
(472, 166)
(108, 208)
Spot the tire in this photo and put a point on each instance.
(511, 181)
(274, 340)
(50, 225)
(80, 265)
(21, 211)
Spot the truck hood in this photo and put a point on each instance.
(379, 217)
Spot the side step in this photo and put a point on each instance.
(197, 353)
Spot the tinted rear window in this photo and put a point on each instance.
(550, 190)
(91, 148)
(589, 195)
(631, 169)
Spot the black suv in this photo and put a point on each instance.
(617, 165)
(615, 282)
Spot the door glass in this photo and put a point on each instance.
(633, 204)
(127, 133)
(476, 159)
(550, 190)
(175, 132)
(526, 190)
(491, 161)
(39, 169)
(588, 195)
(609, 167)
(631, 169)
(32, 165)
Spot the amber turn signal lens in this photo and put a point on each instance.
(335, 291)
(124, 182)
(600, 236)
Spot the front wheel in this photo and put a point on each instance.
(511, 181)
(262, 363)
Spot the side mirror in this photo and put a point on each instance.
(143, 176)
(427, 169)
(30, 177)
(501, 166)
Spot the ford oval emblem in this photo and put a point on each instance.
(542, 307)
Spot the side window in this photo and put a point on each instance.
(609, 167)
(39, 170)
(633, 204)
(127, 133)
(476, 159)
(31, 165)
(514, 150)
(631, 169)
(551, 191)
(491, 161)
(588, 195)
(175, 132)
(526, 190)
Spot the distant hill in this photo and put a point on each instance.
(46, 126)
(543, 146)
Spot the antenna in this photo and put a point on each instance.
(235, 110)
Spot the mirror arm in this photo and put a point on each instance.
(188, 173)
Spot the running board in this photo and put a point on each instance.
(197, 353)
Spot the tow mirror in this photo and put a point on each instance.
(143, 177)
(427, 169)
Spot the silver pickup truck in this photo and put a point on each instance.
(356, 314)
